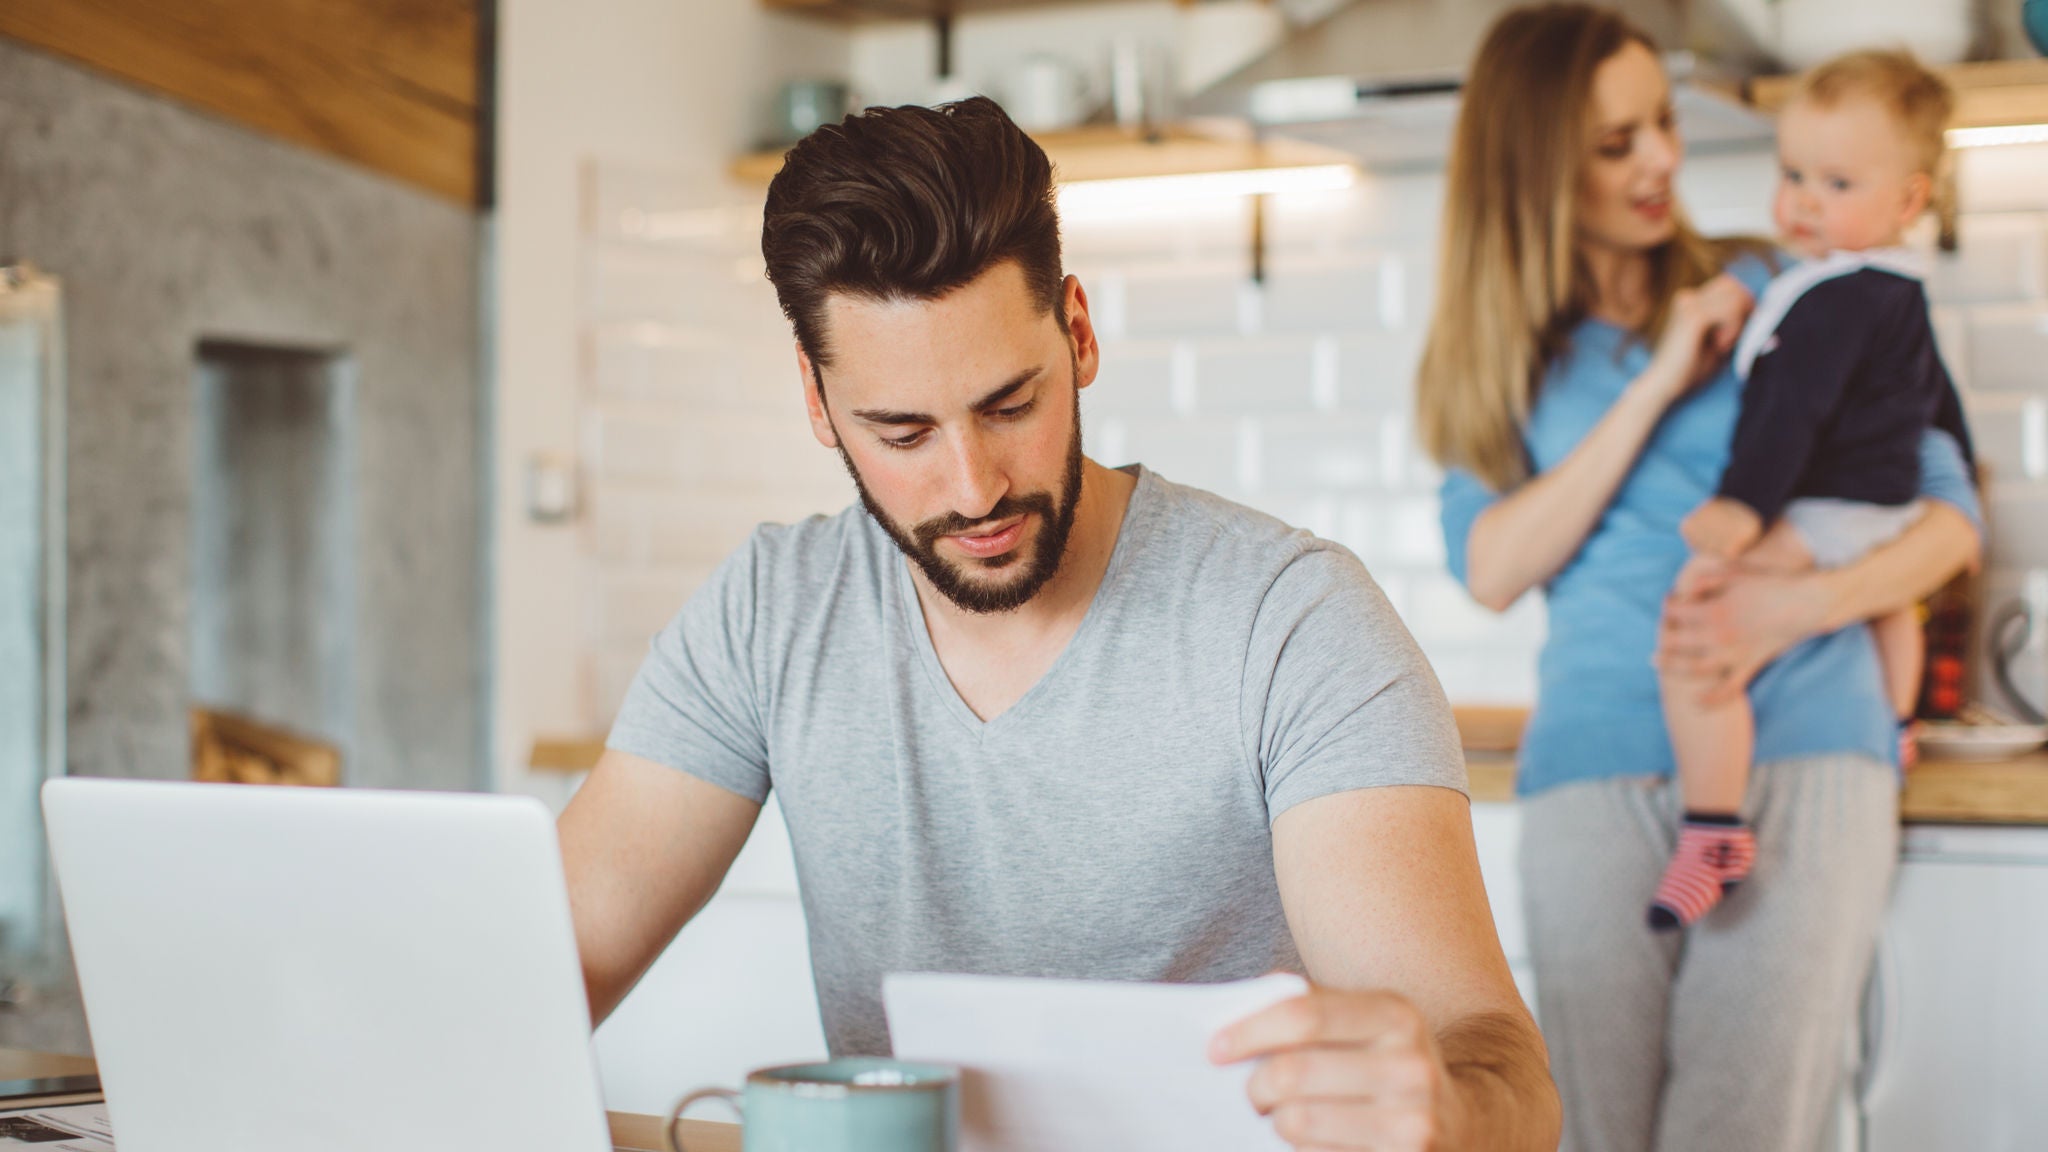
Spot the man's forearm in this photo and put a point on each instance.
(1500, 1075)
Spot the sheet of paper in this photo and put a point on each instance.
(1085, 1066)
(66, 1128)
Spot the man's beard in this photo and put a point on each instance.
(920, 541)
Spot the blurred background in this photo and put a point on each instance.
(376, 376)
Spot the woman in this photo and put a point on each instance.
(1575, 388)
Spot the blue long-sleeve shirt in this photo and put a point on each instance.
(1598, 712)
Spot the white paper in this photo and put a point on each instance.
(84, 1128)
(1085, 1066)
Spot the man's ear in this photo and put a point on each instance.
(814, 400)
(1081, 330)
(1919, 194)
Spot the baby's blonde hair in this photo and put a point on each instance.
(1920, 102)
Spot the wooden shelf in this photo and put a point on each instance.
(567, 754)
(1990, 93)
(1111, 153)
(868, 11)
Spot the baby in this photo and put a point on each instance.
(1843, 380)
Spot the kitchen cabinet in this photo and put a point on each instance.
(1956, 1026)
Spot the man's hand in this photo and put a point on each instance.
(1722, 527)
(1345, 1070)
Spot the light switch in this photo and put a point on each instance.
(550, 488)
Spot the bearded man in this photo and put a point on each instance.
(1029, 715)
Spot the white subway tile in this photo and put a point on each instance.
(2009, 348)
(653, 363)
(2018, 514)
(1407, 531)
(631, 607)
(685, 288)
(1376, 370)
(1107, 441)
(615, 523)
(1199, 452)
(682, 205)
(2010, 433)
(622, 444)
(2004, 179)
(1255, 376)
(1446, 613)
(1999, 257)
(1952, 340)
(1485, 676)
(1202, 300)
(1325, 294)
(608, 672)
(706, 526)
(1322, 452)
(1136, 378)
(1189, 230)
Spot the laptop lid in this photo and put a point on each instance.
(325, 970)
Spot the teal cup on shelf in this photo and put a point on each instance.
(857, 1104)
(2036, 15)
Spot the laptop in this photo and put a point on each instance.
(326, 970)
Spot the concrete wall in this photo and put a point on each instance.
(168, 227)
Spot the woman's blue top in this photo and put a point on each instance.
(1597, 710)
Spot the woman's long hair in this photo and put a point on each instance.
(1511, 284)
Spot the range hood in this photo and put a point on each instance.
(1380, 79)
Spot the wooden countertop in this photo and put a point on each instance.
(629, 1130)
(1937, 792)
(2011, 791)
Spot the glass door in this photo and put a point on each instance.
(31, 607)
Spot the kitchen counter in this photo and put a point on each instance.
(2012, 791)
(1937, 792)
(630, 1132)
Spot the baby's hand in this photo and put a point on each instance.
(1721, 527)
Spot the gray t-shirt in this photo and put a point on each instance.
(1114, 822)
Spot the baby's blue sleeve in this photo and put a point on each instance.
(1463, 497)
(1944, 476)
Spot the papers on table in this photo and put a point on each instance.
(65, 1128)
(1084, 1066)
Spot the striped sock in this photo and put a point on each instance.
(1714, 855)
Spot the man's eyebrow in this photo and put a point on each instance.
(992, 400)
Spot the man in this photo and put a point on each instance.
(1030, 715)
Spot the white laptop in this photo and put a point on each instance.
(325, 970)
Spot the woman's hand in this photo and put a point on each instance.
(1704, 325)
(1723, 623)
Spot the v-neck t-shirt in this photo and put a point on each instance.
(1113, 823)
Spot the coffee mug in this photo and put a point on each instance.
(857, 1104)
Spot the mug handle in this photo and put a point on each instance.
(675, 1114)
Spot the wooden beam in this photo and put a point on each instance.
(388, 84)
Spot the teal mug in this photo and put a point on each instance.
(857, 1104)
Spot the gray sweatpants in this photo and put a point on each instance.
(1732, 1034)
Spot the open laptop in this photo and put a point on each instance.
(325, 970)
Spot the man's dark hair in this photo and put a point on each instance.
(909, 203)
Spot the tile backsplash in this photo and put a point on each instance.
(1292, 395)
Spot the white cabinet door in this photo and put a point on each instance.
(1957, 1023)
(1497, 829)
